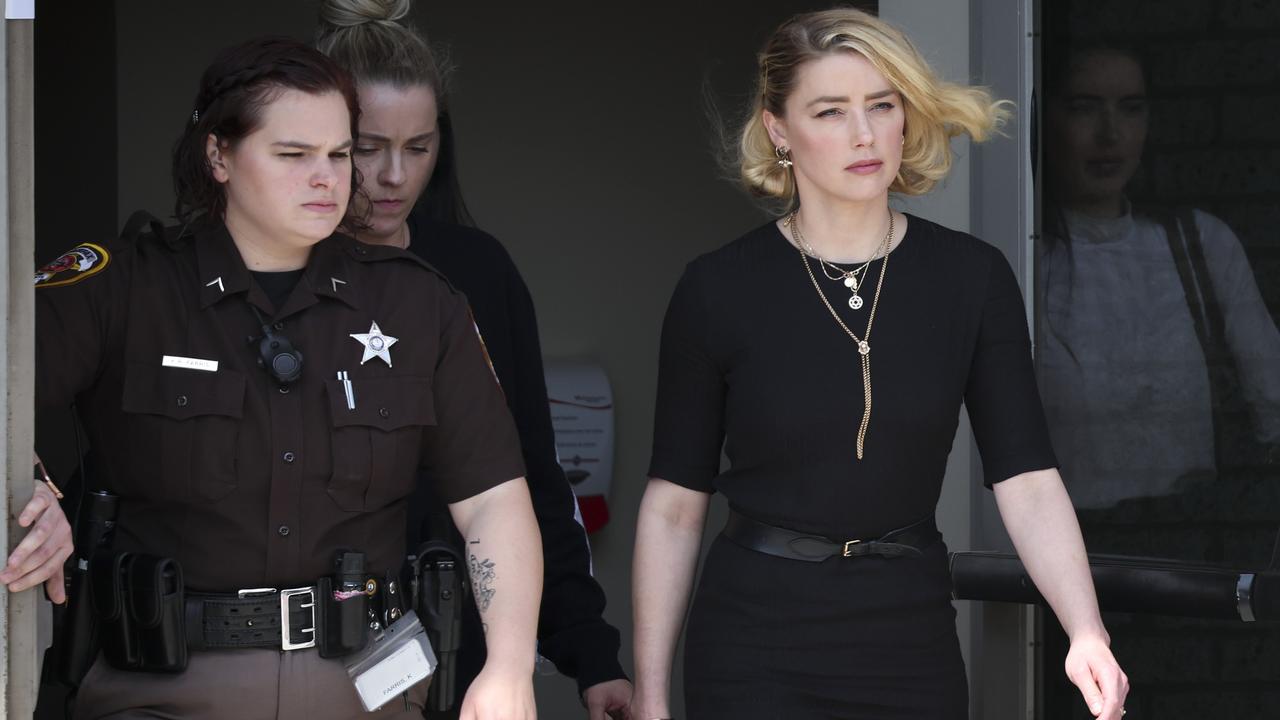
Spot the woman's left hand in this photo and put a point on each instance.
(40, 555)
(1092, 667)
(500, 695)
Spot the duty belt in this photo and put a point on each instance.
(252, 618)
(808, 547)
(149, 620)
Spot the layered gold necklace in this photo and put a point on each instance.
(863, 343)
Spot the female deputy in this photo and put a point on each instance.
(255, 477)
(405, 146)
(827, 594)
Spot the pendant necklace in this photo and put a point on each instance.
(848, 277)
(863, 343)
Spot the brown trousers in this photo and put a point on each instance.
(253, 684)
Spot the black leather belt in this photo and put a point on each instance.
(255, 618)
(793, 545)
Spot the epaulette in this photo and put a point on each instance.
(142, 227)
(369, 253)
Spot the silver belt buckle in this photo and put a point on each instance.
(286, 640)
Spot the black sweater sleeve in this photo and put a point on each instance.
(572, 631)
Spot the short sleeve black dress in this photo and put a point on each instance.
(753, 363)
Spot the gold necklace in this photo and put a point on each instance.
(849, 277)
(864, 344)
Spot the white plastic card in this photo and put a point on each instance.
(392, 663)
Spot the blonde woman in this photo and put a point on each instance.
(829, 353)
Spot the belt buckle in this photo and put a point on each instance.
(286, 640)
(848, 547)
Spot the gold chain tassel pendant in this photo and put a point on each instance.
(866, 412)
(864, 343)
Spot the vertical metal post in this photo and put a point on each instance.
(20, 664)
(1003, 44)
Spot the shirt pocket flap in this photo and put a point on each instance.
(386, 403)
(180, 394)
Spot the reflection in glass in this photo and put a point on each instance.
(1153, 334)
(1157, 354)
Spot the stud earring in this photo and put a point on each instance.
(784, 156)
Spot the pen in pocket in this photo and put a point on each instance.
(348, 389)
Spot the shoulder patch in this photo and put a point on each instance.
(78, 263)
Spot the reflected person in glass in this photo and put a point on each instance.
(1154, 340)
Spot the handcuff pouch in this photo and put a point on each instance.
(139, 600)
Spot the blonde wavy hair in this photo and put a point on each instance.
(935, 110)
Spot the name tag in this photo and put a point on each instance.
(394, 675)
(177, 361)
(392, 663)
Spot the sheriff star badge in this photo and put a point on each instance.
(376, 345)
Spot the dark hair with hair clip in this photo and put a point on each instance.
(237, 85)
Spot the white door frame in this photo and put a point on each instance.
(20, 662)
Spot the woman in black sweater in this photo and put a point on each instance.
(405, 145)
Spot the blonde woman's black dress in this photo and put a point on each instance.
(752, 362)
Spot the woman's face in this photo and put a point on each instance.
(844, 124)
(396, 153)
(288, 182)
(1096, 128)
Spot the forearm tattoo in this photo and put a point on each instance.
(483, 576)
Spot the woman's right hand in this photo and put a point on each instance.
(40, 555)
(1093, 669)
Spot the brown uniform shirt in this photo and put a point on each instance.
(246, 482)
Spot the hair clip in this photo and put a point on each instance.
(195, 116)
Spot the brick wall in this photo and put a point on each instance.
(1214, 143)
